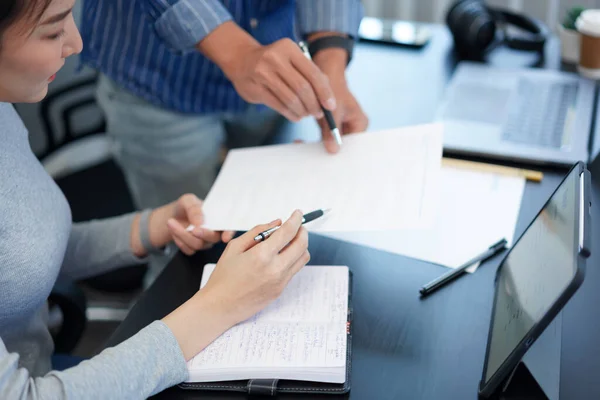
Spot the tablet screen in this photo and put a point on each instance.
(538, 269)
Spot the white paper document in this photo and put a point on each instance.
(476, 210)
(301, 335)
(378, 181)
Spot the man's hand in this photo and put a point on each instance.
(349, 116)
(281, 77)
(277, 75)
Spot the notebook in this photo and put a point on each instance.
(300, 343)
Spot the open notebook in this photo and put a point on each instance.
(301, 336)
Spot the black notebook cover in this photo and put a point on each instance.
(274, 386)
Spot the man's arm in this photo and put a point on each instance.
(317, 19)
(277, 75)
(182, 24)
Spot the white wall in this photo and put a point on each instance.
(549, 11)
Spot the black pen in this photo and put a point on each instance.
(455, 273)
(328, 116)
(306, 218)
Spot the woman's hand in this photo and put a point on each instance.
(168, 224)
(249, 276)
(246, 279)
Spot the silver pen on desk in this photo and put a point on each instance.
(306, 218)
(328, 116)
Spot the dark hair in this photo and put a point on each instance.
(12, 11)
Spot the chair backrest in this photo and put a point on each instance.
(67, 102)
(79, 159)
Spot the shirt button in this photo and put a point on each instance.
(253, 23)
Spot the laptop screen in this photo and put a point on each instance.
(538, 269)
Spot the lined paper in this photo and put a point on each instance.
(301, 335)
(378, 181)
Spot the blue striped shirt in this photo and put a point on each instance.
(147, 46)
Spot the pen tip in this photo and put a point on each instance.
(337, 136)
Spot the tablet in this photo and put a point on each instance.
(537, 277)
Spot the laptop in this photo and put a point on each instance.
(541, 272)
(527, 115)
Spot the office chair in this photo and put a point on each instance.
(80, 162)
(70, 299)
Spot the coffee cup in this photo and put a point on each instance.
(588, 25)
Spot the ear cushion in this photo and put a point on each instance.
(472, 26)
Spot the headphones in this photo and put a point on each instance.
(477, 29)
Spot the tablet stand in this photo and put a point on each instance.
(521, 385)
(537, 376)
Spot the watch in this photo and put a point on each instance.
(327, 42)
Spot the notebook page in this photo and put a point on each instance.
(396, 169)
(304, 328)
(315, 294)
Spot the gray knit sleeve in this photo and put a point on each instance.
(98, 246)
(143, 365)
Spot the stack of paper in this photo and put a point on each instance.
(387, 190)
(476, 210)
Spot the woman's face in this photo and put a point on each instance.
(32, 52)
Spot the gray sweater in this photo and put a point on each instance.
(38, 242)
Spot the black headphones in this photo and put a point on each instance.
(477, 29)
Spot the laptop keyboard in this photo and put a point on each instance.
(539, 114)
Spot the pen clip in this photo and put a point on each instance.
(303, 47)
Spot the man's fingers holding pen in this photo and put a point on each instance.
(281, 77)
(317, 79)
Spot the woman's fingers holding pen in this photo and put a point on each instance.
(250, 275)
(295, 256)
(246, 241)
(288, 246)
(282, 236)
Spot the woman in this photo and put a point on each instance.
(38, 242)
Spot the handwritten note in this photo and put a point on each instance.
(301, 335)
(258, 344)
(378, 180)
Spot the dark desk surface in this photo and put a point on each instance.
(404, 347)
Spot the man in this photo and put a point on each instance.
(176, 71)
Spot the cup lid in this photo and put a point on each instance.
(588, 23)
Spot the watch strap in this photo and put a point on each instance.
(327, 42)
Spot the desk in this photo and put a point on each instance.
(405, 348)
